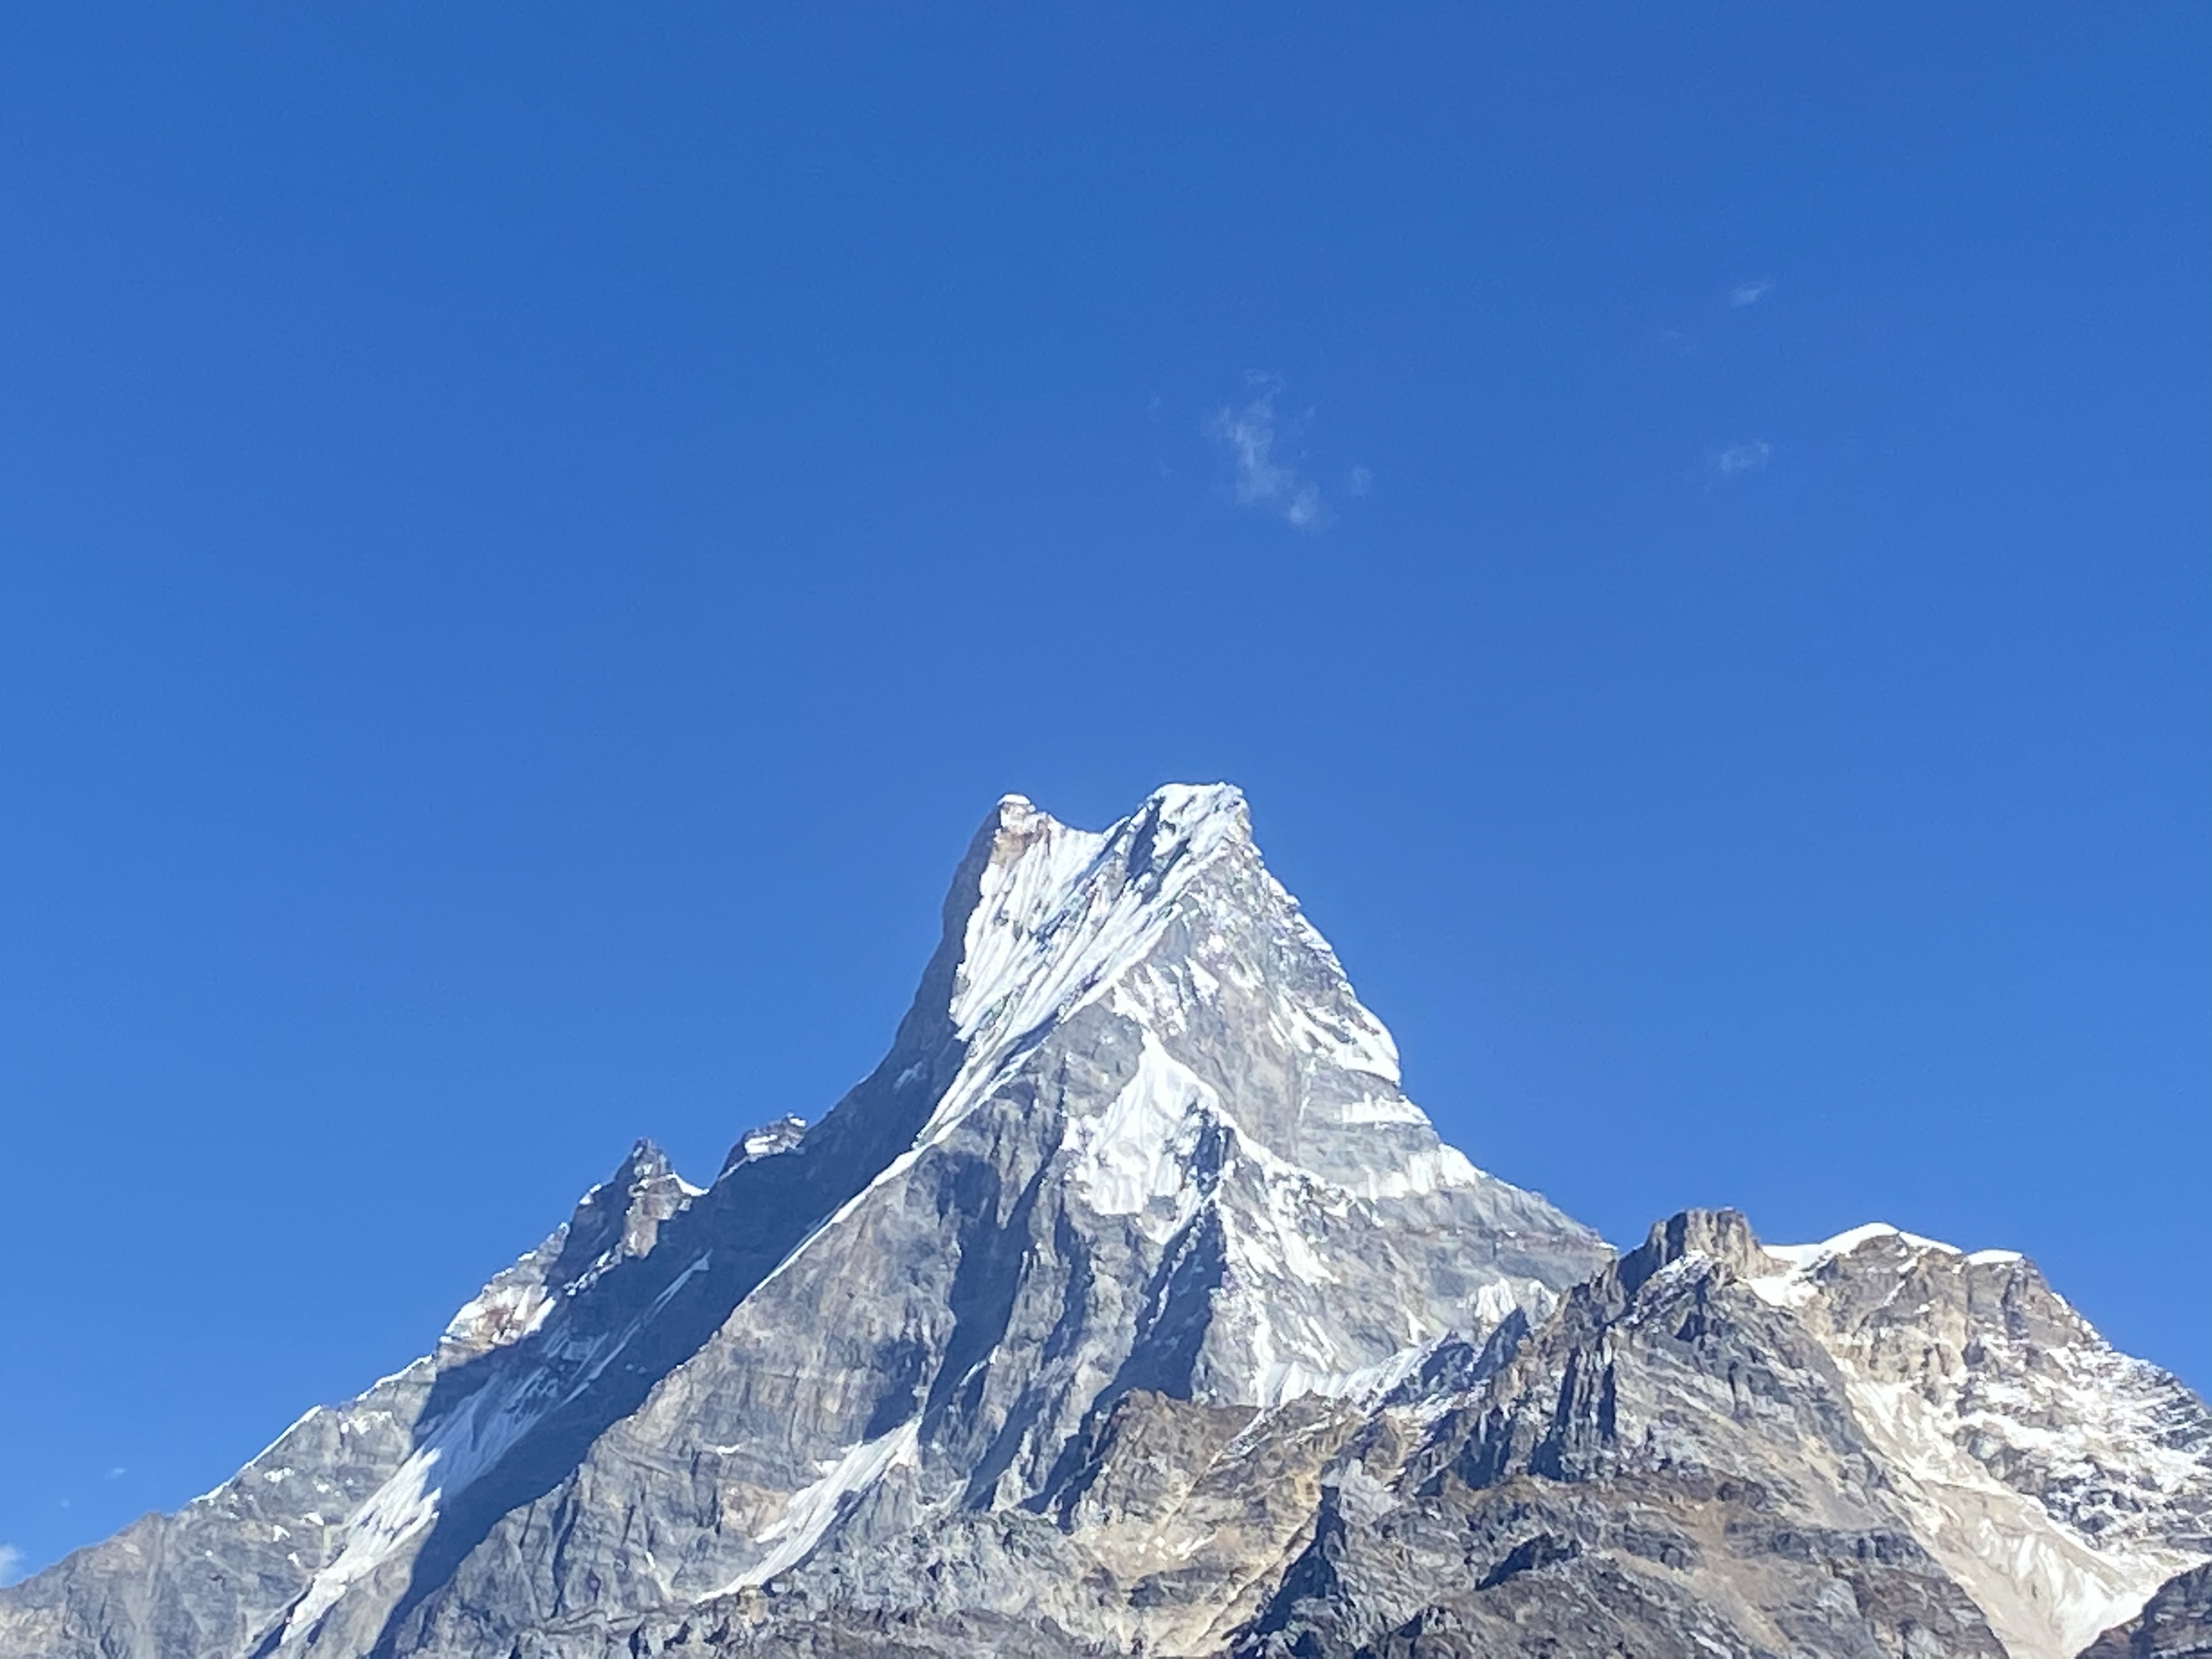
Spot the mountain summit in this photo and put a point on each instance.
(1130, 1306)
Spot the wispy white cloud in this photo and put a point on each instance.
(1733, 460)
(118, 1473)
(1263, 479)
(11, 1564)
(1363, 480)
(1751, 293)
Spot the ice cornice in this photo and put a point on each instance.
(1851, 1239)
(1854, 1239)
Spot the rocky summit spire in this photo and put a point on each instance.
(616, 1220)
(1129, 1304)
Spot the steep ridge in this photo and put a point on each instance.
(617, 1219)
(1129, 1306)
(208, 1579)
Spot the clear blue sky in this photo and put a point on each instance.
(530, 536)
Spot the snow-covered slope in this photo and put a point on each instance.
(2176, 1623)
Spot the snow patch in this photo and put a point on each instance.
(1798, 1283)
(1808, 1255)
(1138, 1149)
(808, 1512)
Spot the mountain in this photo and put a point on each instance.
(1130, 1306)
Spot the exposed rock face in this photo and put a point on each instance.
(2175, 1624)
(1130, 1306)
(619, 1218)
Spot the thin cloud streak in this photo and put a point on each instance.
(1751, 293)
(11, 1564)
(1263, 482)
(1733, 460)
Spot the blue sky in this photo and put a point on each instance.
(530, 536)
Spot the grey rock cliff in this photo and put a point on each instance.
(2176, 1623)
(1130, 1306)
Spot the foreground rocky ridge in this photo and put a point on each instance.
(1164, 1323)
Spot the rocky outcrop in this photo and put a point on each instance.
(1130, 1306)
(2175, 1624)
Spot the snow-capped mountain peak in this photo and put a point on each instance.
(1058, 910)
(1130, 1305)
